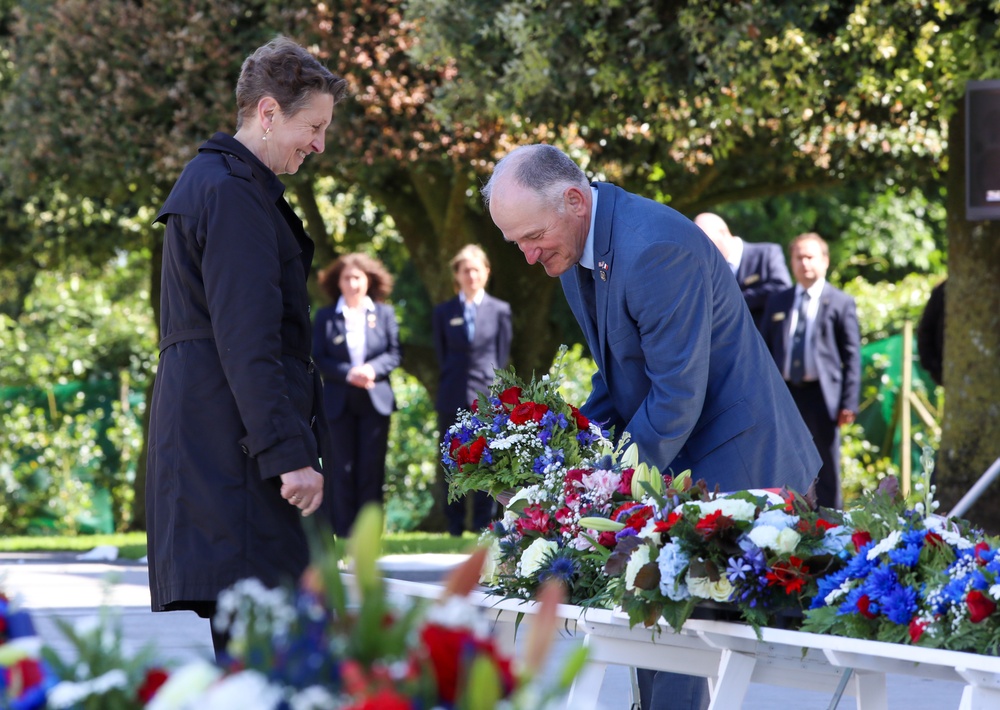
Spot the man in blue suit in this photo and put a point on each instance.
(824, 374)
(759, 267)
(681, 366)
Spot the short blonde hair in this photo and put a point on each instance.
(470, 252)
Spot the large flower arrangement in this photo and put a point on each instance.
(334, 643)
(915, 577)
(516, 434)
(758, 552)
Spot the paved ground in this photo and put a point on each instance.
(58, 586)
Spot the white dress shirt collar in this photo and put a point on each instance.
(587, 257)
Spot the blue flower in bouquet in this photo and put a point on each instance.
(673, 563)
(516, 434)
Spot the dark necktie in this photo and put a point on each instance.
(587, 291)
(797, 367)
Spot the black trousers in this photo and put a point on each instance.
(659, 690)
(354, 472)
(808, 398)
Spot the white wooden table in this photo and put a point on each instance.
(731, 656)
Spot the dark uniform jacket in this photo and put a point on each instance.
(762, 272)
(235, 400)
(467, 367)
(382, 352)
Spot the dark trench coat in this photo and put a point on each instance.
(235, 401)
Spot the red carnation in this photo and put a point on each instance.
(607, 539)
(860, 538)
(155, 677)
(476, 449)
(916, 629)
(474, 406)
(824, 525)
(582, 423)
(455, 443)
(663, 526)
(980, 606)
(713, 523)
(865, 607)
(528, 411)
(637, 520)
(575, 475)
(625, 487)
(25, 673)
(384, 699)
(511, 396)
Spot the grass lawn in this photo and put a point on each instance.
(133, 545)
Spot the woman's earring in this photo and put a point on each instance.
(264, 137)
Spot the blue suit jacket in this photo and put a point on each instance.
(837, 342)
(681, 366)
(467, 368)
(762, 272)
(330, 353)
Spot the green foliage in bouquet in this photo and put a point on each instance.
(517, 433)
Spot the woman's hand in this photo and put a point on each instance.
(362, 376)
(303, 488)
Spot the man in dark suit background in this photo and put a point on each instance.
(680, 365)
(759, 267)
(472, 335)
(812, 332)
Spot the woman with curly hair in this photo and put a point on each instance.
(355, 346)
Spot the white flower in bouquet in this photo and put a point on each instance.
(719, 590)
(735, 508)
(638, 560)
(672, 562)
(788, 540)
(942, 527)
(246, 690)
(836, 539)
(534, 556)
(775, 518)
(185, 685)
(315, 697)
(69, 694)
(779, 539)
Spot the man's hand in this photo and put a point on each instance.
(303, 489)
(846, 416)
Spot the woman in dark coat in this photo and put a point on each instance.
(356, 346)
(472, 334)
(233, 441)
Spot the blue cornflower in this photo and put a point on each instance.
(907, 556)
(900, 604)
(881, 582)
(625, 532)
(827, 584)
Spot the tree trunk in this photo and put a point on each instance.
(971, 426)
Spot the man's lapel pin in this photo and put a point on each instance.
(602, 267)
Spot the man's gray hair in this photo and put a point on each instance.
(541, 168)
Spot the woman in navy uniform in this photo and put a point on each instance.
(472, 334)
(356, 346)
(234, 422)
